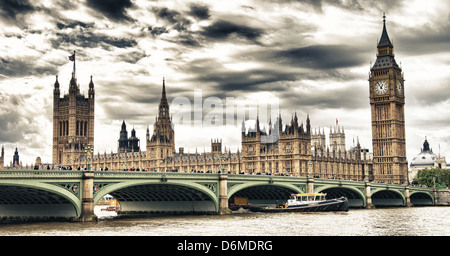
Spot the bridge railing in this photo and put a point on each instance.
(8, 174)
(113, 174)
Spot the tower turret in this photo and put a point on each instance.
(16, 162)
(73, 121)
(2, 157)
(91, 89)
(123, 138)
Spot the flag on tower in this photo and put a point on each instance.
(72, 58)
(336, 121)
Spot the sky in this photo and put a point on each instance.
(305, 57)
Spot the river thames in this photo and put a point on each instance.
(411, 221)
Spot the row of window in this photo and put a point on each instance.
(81, 128)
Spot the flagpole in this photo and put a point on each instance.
(74, 59)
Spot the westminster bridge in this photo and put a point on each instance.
(73, 194)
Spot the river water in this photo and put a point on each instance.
(412, 221)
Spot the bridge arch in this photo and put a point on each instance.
(157, 196)
(355, 197)
(263, 193)
(421, 199)
(388, 197)
(27, 199)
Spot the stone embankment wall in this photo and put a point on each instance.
(443, 197)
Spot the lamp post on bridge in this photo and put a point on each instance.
(89, 150)
(223, 158)
(310, 179)
(223, 188)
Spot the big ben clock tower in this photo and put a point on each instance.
(387, 104)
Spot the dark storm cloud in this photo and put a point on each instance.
(317, 57)
(91, 39)
(120, 100)
(123, 111)
(319, 62)
(177, 20)
(112, 9)
(63, 24)
(131, 57)
(245, 81)
(189, 40)
(16, 12)
(425, 39)
(25, 67)
(170, 15)
(320, 98)
(156, 31)
(219, 30)
(11, 8)
(137, 102)
(199, 11)
(229, 83)
(222, 29)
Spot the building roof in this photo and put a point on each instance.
(384, 40)
(384, 62)
(426, 157)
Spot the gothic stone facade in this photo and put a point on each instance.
(290, 150)
(73, 122)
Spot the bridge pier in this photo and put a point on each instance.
(369, 204)
(223, 194)
(408, 199)
(87, 201)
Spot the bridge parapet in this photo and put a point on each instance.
(146, 175)
(33, 174)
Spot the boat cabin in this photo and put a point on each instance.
(296, 199)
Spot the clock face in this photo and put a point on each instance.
(381, 87)
(399, 88)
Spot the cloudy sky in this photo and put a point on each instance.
(311, 56)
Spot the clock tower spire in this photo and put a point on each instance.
(387, 101)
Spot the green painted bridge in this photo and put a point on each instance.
(73, 194)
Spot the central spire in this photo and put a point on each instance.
(384, 40)
(164, 89)
(385, 51)
(163, 104)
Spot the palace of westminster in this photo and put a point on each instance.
(287, 148)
